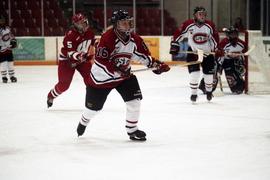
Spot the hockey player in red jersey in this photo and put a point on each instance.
(233, 62)
(201, 34)
(7, 43)
(112, 70)
(76, 53)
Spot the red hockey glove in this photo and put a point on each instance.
(159, 67)
(219, 53)
(175, 47)
(82, 57)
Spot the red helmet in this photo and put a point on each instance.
(80, 22)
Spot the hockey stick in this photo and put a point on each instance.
(199, 60)
(250, 50)
(220, 82)
(236, 53)
(220, 92)
(200, 54)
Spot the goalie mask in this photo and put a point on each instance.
(80, 22)
(122, 22)
(199, 14)
(232, 34)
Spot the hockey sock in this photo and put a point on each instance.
(194, 82)
(53, 93)
(87, 115)
(3, 67)
(132, 115)
(208, 80)
(11, 71)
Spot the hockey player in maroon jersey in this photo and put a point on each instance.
(233, 62)
(76, 53)
(201, 34)
(111, 70)
(7, 43)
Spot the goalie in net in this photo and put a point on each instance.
(232, 63)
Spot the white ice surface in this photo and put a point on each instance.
(226, 139)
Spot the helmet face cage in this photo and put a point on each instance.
(232, 33)
(122, 21)
(80, 22)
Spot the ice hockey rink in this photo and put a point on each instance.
(226, 139)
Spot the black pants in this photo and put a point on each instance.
(129, 89)
(208, 64)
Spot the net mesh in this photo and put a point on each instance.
(259, 64)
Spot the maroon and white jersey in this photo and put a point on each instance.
(239, 47)
(5, 37)
(74, 43)
(204, 36)
(113, 50)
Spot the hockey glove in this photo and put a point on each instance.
(159, 67)
(13, 43)
(175, 47)
(219, 53)
(82, 57)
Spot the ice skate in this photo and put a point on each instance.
(209, 96)
(80, 129)
(13, 79)
(49, 102)
(193, 98)
(4, 79)
(137, 135)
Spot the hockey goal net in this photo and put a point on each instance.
(258, 64)
(257, 76)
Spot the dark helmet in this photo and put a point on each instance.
(80, 22)
(120, 15)
(199, 9)
(232, 33)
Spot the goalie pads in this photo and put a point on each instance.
(234, 71)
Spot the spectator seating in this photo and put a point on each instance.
(26, 18)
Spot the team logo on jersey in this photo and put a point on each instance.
(6, 37)
(122, 60)
(200, 38)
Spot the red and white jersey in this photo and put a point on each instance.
(74, 43)
(5, 37)
(204, 37)
(111, 50)
(239, 47)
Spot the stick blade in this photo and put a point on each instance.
(200, 55)
(250, 50)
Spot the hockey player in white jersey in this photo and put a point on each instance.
(202, 35)
(112, 70)
(7, 43)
